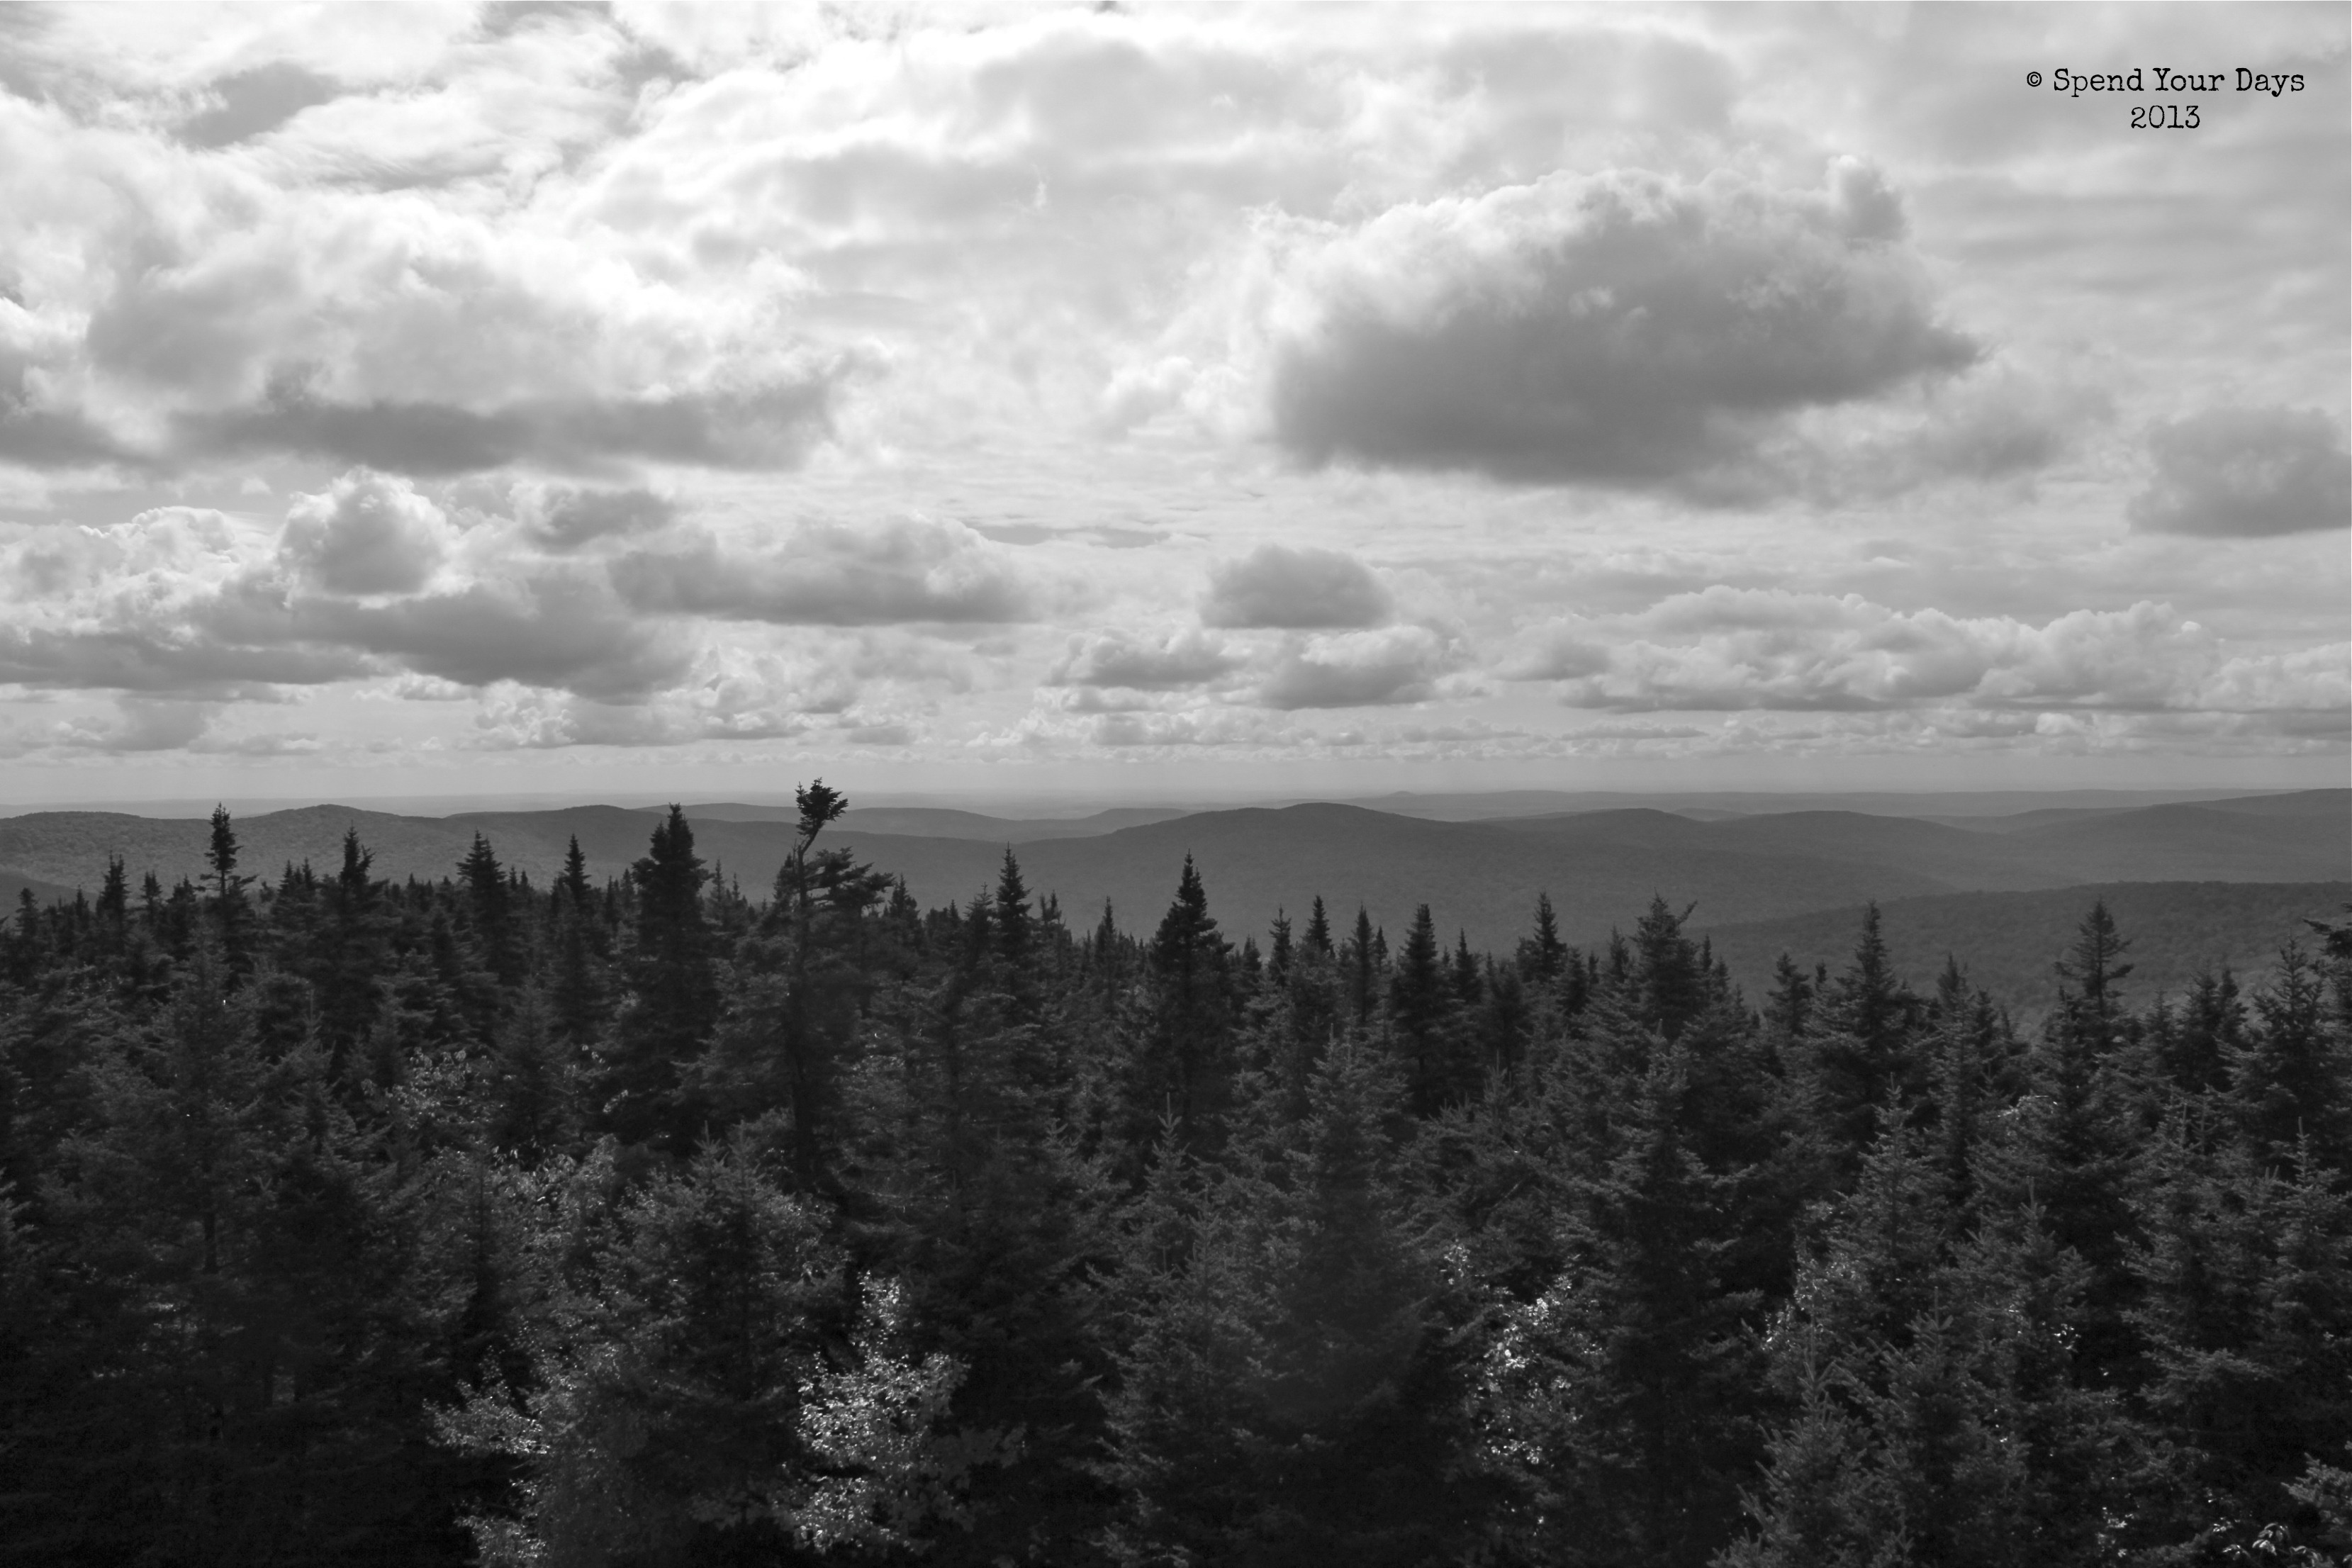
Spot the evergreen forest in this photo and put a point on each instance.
(658, 1222)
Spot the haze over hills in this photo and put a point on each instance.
(14, 885)
(1601, 868)
(2007, 942)
(939, 822)
(1972, 804)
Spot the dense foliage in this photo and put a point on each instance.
(646, 1223)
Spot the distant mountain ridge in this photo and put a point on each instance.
(2008, 942)
(1600, 868)
(939, 822)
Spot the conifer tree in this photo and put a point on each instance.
(1278, 948)
(1622, 1398)
(1361, 962)
(1435, 1047)
(2070, 1149)
(1542, 956)
(114, 907)
(488, 903)
(579, 992)
(674, 997)
(1854, 1060)
(2194, 1046)
(691, 1411)
(232, 912)
(1185, 1058)
(2292, 1081)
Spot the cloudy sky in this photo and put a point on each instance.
(1151, 401)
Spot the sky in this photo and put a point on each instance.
(1156, 400)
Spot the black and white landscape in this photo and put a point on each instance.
(2211, 882)
(1587, 785)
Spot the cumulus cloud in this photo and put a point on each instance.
(1728, 649)
(1204, 727)
(141, 724)
(255, 102)
(369, 577)
(164, 658)
(369, 534)
(832, 576)
(778, 705)
(242, 289)
(562, 520)
(551, 628)
(2246, 473)
(41, 437)
(276, 745)
(1556, 653)
(1119, 658)
(607, 270)
(1620, 328)
(1297, 590)
(1351, 670)
(773, 427)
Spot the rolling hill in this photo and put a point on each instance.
(2007, 942)
(2309, 838)
(1601, 868)
(13, 886)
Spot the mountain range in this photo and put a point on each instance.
(2007, 943)
(1599, 866)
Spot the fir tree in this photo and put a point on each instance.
(1185, 1058)
(232, 912)
(674, 997)
(1542, 956)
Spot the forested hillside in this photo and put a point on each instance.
(2181, 931)
(574, 1220)
(1479, 878)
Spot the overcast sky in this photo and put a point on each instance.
(604, 400)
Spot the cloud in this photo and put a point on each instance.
(256, 101)
(770, 429)
(1731, 649)
(1207, 726)
(55, 438)
(276, 744)
(1294, 589)
(2246, 473)
(552, 628)
(1996, 423)
(1556, 653)
(1351, 670)
(1622, 328)
(1118, 658)
(723, 709)
(364, 578)
(369, 534)
(141, 724)
(563, 519)
(832, 576)
(165, 659)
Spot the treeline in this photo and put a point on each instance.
(647, 1224)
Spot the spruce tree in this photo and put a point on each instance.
(1185, 1058)
(2292, 1079)
(673, 992)
(580, 994)
(232, 912)
(488, 903)
(1434, 1047)
(1543, 955)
